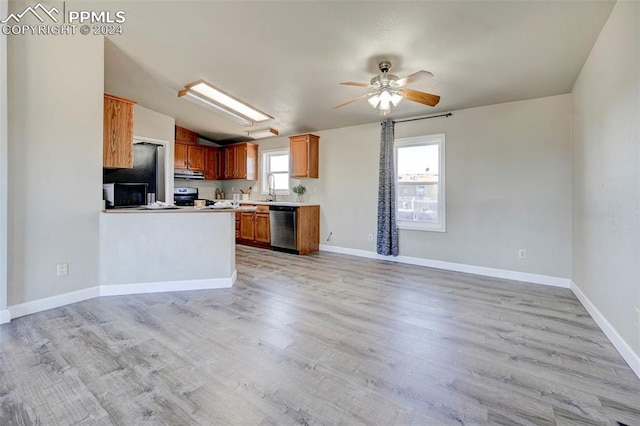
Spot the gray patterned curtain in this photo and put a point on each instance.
(387, 230)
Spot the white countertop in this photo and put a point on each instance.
(245, 206)
(182, 210)
(277, 203)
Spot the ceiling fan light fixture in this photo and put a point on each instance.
(387, 90)
(385, 98)
(374, 100)
(263, 133)
(385, 103)
(396, 97)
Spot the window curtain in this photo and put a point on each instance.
(387, 241)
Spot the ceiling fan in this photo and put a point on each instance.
(389, 90)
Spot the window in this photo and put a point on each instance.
(420, 183)
(276, 162)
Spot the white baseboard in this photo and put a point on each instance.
(40, 305)
(457, 267)
(632, 358)
(162, 286)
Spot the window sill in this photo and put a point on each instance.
(278, 193)
(429, 227)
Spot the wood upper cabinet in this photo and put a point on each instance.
(117, 133)
(190, 157)
(186, 136)
(241, 161)
(195, 156)
(211, 163)
(221, 164)
(180, 156)
(229, 162)
(303, 151)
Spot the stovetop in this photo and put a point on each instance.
(179, 201)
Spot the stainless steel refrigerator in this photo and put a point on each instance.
(148, 167)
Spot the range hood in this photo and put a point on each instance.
(188, 174)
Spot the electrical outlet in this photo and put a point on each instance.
(370, 237)
(522, 254)
(63, 269)
(638, 317)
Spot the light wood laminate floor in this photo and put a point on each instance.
(322, 339)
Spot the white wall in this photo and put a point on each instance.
(206, 188)
(606, 178)
(55, 89)
(508, 187)
(4, 317)
(150, 124)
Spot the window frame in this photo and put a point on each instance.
(266, 154)
(435, 139)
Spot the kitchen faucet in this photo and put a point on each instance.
(271, 183)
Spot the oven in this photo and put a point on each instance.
(187, 197)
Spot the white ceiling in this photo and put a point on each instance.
(287, 58)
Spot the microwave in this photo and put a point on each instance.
(124, 195)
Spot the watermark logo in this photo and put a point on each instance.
(86, 22)
(33, 11)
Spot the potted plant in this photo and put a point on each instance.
(299, 190)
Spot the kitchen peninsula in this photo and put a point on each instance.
(144, 251)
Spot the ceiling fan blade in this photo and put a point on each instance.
(420, 97)
(414, 77)
(351, 101)
(353, 83)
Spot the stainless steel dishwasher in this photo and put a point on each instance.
(283, 223)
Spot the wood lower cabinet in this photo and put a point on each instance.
(254, 228)
(247, 226)
(303, 151)
(262, 228)
(189, 157)
(117, 132)
(237, 227)
(308, 229)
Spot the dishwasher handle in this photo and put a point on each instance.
(282, 208)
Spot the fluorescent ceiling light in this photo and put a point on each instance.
(203, 102)
(263, 133)
(222, 101)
